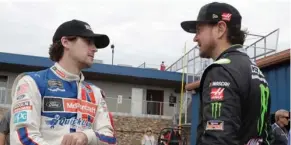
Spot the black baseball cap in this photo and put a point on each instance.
(81, 29)
(213, 13)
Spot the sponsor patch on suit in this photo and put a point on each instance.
(55, 86)
(57, 104)
(215, 125)
(53, 104)
(23, 105)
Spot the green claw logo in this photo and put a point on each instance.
(215, 109)
(265, 94)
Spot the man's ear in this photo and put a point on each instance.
(222, 29)
(65, 42)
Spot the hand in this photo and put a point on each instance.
(77, 138)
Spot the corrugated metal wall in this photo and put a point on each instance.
(278, 78)
(194, 116)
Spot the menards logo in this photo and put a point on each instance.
(73, 105)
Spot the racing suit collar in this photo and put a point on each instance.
(232, 48)
(65, 75)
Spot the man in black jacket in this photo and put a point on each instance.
(235, 98)
(279, 129)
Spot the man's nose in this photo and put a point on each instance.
(93, 48)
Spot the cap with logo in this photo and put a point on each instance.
(81, 29)
(213, 13)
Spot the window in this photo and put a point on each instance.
(3, 95)
(3, 89)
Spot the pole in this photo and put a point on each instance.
(112, 48)
(112, 56)
(182, 88)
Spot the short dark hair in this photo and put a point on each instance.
(236, 36)
(56, 50)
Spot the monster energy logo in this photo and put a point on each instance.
(215, 109)
(265, 94)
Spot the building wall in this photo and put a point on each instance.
(11, 78)
(133, 133)
(278, 78)
(112, 90)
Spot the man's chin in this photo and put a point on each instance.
(87, 65)
(203, 55)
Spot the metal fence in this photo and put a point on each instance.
(149, 66)
(147, 107)
(193, 66)
(264, 46)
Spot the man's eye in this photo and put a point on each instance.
(198, 30)
(90, 41)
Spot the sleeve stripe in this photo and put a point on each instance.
(107, 139)
(24, 138)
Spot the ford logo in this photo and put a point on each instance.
(53, 104)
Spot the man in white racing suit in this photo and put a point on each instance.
(56, 106)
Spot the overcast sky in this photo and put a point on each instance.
(141, 30)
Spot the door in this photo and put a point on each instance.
(155, 102)
(136, 100)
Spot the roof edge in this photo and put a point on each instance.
(274, 59)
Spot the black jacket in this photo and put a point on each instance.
(234, 102)
(280, 135)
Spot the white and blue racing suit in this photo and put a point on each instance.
(48, 104)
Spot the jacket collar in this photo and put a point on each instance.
(233, 48)
(65, 75)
